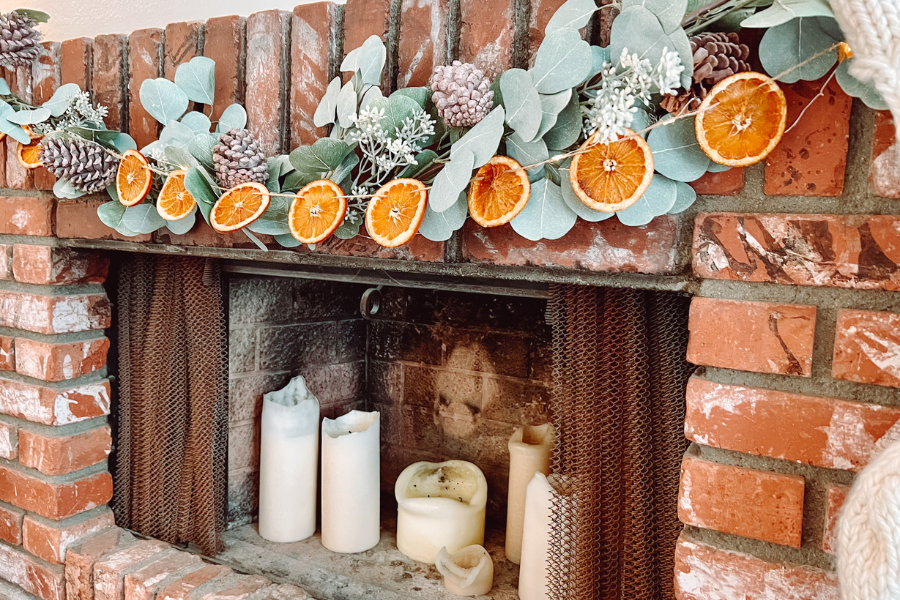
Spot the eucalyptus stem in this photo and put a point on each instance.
(700, 25)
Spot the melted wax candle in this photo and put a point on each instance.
(469, 572)
(439, 504)
(530, 449)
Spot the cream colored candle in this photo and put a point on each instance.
(439, 504)
(351, 472)
(533, 576)
(469, 572)
(288, 463)
(530, 450)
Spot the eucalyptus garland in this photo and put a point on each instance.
(663, 58)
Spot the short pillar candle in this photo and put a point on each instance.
(438, 505)
(530, 450)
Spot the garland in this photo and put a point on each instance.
(646, 87)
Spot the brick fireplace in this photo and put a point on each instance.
(793, 266)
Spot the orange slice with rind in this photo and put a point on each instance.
(498, 192)
(134, 178)
(610, 177)
(29, 155)
(239, 206)
(742, 119)
(175, 202)
(317, 211)
(395, 212)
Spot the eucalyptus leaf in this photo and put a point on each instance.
(451, 181)
(346, 105)
(345, 168)
(233, 117)
(567, 128)
(110, 214)
(680, 43)
(201, 148)
(599, 57)
(785, 47)
(424, 159)
(676, 152)
(372, 56)
(523, 105)
(180, 158)
(350, 227)
(686, 196)
(142, 218)
(399, 108)
(287, 241)
(638, 30)
(546, 216)
(574, 202)
(176, 134)
(63, 188)
(61, 99)
(103, 136)
(295, 180)
(527, 153)
(38, 15)
(255, 240)
(4, 87)
(483, 139)
(551, 106)
(640, 120)
(164, 100)
(324, 155)
(659, 198)
(197, 78)
(274, 220)
(351, 61)
(715, 167)
(439, 226)
(669, 12)
(197, 121)
(30, 117)
(783, 11)
(573, 14)
(198, 186)
(182, 226)
(563, 61)
(11, 129)
(325, 114)
(857, 89)
(370, 96)
(419, 95)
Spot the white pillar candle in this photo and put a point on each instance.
(351, 473)
(439, 504)
(469, 572)
(288, 463)
(530, 449)
(533, 576)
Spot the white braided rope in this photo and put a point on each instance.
(869, 532)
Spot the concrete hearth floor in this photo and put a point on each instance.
(382, 573)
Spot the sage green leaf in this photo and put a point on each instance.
(659, 198)
(546, 216)
(164, 100)
(399, 108)
(254, 239)
(180, 158)
(638, 30)
(599, 57)
(279, 166)
(233, 117)
(573, 14)
(11, 129)
(574, 202)
(30, 117)
(325, 114)
(498, 94)
(567, 128)
(63, 188)
(527, 153)
(717, 168)
(102, 136)
(351, 61)
(197, 121)
(110, 214)
(5, 91)
(346, 105)
(676, 152)
(38, 15)
(420, 95)
(274, 220)
(324, 155)
(295, 180)
(640, 120)
(439, 226)
(182, 226)
(197, 183)
(201, 148)
(522, 103)
(370, 96)
(61, 99)
(684, 198)
(123, 142)
(372, 56)
(142, 218)
(682, 46)
(350, 227)
(786, 47)
(424, 159)
(551, 106)
(563, 61)
(197, 78)
(287, 241)
(857, 89)
(345, 168)
(176, 134)
(451, 181)
(483, 139)
(783, 11)
(669, 12)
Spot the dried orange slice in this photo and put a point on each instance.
(499, 191)
(134, 178)
(239, 206)
(175, 202)
(396, 211)
(29, 155)
(742, 119)
(317, 211)
(611, 177)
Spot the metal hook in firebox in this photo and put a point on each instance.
(370, 302)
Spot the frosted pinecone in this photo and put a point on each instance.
(19, 40)
(716, 56)
(239, 159)
(84, 164)
(462, 94)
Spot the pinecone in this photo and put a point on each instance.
(716, 56)
(239, 159)
(19, 40)
(84, 164)
(462, 94)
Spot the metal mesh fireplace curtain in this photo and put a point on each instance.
(170, 463)
(618, 406)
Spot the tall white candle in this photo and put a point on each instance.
(288, 463)
(351, 500)
(439, 504)
(469, 572)
(533, 576)
(530, 449)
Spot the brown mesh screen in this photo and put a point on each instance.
(170, 468)
(618, 406)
